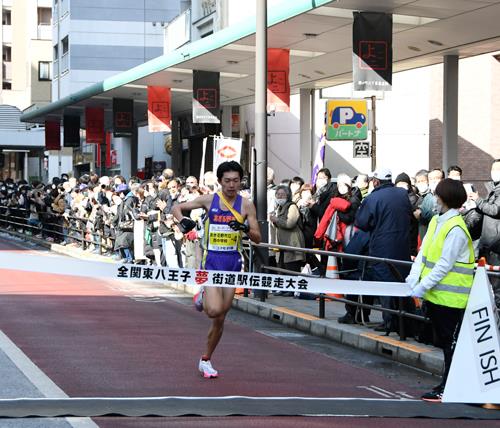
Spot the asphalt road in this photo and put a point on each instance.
(96, 338)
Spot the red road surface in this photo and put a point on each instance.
(93, 341)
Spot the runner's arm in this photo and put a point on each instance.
(254, 232)
(200, 202)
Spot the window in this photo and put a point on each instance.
(7, 53)
(44, 15)
(65, 45)
(6, 17)
(7, 85)
(44, 71)
(56, 52)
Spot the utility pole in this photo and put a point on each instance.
(261, 125)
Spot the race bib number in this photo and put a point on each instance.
(222, 238)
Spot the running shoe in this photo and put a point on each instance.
(198, 300)
(434, 396)
(206, 369)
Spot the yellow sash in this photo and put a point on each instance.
(236, 214)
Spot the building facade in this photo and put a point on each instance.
(26, 75)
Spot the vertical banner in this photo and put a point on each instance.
(108, 149)
(278, 86)
(206, 97)
(123, 117)
(225, 150)
(159, 102)
(372, 51)
(71, 125)
(52, 135)
(94, 125)
(319, 159)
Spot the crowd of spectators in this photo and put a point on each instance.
(371, 214)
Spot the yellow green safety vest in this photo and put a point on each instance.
(453, 290)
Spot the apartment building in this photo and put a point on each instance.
(26, 74)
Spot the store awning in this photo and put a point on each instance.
(319, 35)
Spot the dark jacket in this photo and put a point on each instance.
(323, 196)
(386, 214)
(490, 209)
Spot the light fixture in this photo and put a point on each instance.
(189, 71)
(232, 62)
(347, 14)
(435, 43)
(414, 48)
(310, 35)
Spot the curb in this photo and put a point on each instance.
(409, 352)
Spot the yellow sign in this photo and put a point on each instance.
(346, 120)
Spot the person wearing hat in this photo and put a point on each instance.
(386, 215)
(403, 181)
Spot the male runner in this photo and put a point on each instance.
(228, 214)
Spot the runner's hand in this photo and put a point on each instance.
(236, 225)
(186, 224)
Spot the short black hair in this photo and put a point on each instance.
(451, 192)
(325, 171)
(454, 168)
(421, 173)
(228, 167)
(297, 180)
(437, 169)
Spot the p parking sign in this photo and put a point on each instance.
(346, 120)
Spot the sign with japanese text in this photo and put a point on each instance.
(52, 135)
(372, 51)
(278, 86)
(346, 120)
(360, 149)
(206, 97)
(94, 125)
(159, 113)
(123, 117)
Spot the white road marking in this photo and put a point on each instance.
(38, 378)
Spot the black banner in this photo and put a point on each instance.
(123, 117)
(71, 125)
(206, 97)
(372, 51)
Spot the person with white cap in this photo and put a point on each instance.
(386, 214)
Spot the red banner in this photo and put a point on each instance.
(108, 149)
(159, 116)
(278, 86)
(94, 125)
(52, 135)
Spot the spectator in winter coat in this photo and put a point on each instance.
(489, 207)
(403, 181)
(386, 214)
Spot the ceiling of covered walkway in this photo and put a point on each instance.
(320, 43)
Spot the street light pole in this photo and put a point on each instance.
(261, 123)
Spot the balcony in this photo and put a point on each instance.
(64, 63)
(44, 32)
(7, 34)
(177, 32)
(7, 71)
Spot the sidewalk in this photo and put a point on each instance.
(303, 315)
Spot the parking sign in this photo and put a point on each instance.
(346, 120)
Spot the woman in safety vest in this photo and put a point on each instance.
(443, 272)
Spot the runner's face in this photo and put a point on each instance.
(230, 183)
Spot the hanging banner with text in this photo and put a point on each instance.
(159, 113)
(94, 125)
(372, 51)
(206, 97)
(197, 277)
(123, 117)
(52, 135)
(71, 125)
(226, 150)
(278, 86)
(108, 150)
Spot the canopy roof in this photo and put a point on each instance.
(319, 35)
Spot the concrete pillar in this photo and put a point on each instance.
(227, 112)
(134, 148)
(306, 132)
(125, 157)
(26, 176)
(450, 111)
